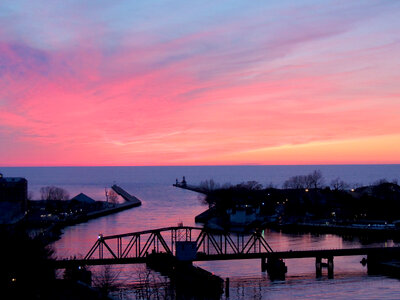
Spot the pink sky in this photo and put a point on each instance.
(201, 84)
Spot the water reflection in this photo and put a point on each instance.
(165, 206)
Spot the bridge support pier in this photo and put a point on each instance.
(227, 288)
(263, 264)
(330, 267)
(275, 267)
(319, 265)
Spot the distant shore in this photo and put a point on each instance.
(304, 204)
(374, 230)
(48, 217)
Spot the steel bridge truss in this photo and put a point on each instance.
(163, 240)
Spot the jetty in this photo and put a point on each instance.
(183, 185)
(48, 217)
(109, 210)
(132, 200)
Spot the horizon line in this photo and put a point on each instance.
(222, 165)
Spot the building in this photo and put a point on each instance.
(13, 199)
(242, 215)
(83, 198)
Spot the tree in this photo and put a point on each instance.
(339, 185)
(315, 179)
(112, 196)
(209, 185)
(53, 193)
(106, 280)
(380, 181)
(153, 286)
(31, 195)
(312, 180)
(271, 185)
(295, 182)
(250, 185)
(26, 271)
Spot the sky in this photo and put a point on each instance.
(104, 83)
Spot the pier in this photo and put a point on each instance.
(183, 185)
(130, 201)
(126, 196)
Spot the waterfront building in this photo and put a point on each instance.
(243, 214)
(13, 199)
(83, 198)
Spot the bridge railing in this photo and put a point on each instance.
(163, 240)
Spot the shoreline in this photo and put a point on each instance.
(53, 232)
(337, 229)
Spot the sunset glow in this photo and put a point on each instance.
(199, 83)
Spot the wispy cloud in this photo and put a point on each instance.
(168, 83)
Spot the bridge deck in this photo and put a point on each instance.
(210, 257)
(301, 253)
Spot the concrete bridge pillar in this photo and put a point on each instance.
(263, 264)
(330, 267)
(318, 267)
(276, 268)
(227, 288)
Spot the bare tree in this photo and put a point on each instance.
(250, 185)
(295, 182)
(53, 193)
(315, 179)
(271, 185)
(380, 181)
(31, 195)
(209, 185)
(106, 280)
(312, 180)
(112, 196)
(152, 286)
(339, 185)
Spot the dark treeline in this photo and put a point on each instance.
(27, 270)
(309, 197)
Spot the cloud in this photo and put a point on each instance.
(131, 83)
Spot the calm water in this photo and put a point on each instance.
(164, 205)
